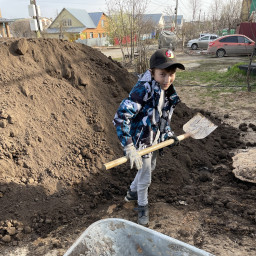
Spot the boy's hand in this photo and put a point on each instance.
(133, 155)
(171, 135)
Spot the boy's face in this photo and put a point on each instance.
(164, 78)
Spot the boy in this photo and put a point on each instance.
(142, 120)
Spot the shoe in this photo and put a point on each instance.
(131, 196)
(143, 215)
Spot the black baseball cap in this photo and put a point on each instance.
(164, 58)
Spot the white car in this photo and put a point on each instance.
(201, 42)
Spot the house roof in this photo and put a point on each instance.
(88, 20)
(3, 20)
(153, 17)
(170, 19)
(82, 16)
(95, 16)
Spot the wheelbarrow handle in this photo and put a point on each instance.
(145, 151)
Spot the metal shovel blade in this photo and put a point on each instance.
(199, 127)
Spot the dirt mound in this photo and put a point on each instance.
(57, 102)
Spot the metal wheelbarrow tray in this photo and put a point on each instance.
(119, 237)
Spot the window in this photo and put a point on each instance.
(67, 22)
(247, 41)
(91, 34)
(241, 40)
(102, 23)
(99, 36)
(103, 35)
(205, 38)
(223, 40)
(229, 39)
(213, 37)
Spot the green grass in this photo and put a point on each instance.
(232, 77)
(118, 59)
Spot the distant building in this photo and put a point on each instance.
(99, 19)
(169, 22)
(155, 22)
(156, 19)
(73, 24)
(46, 22)
(4, 26)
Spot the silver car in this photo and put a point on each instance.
(201, 42)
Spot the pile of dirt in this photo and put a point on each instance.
(57, 102)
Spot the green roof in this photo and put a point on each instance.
(253, 6)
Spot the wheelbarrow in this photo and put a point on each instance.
(119, 237)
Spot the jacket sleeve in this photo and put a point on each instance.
(127, 110)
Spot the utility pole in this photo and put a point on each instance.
(176, 13)
(38, 34)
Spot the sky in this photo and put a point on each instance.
(11, 9)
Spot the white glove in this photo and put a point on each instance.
(133, 155)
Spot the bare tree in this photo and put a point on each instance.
(245, 12)
(249, 88)
(145, 28)
(215, 14)
(230, 14)
(189, 30)
(62, 28)
(195, 7)
(124, 23)
(117, 24)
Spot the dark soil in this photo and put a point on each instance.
(57, 102)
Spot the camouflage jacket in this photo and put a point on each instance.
(137, 119)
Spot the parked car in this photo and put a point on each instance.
(204, 34)
(201, 42)
(167, 39)
(236, 44)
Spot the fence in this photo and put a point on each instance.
(94, 41)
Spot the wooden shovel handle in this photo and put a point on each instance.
(145, 151)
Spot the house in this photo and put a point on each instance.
(4, 26)
(169, 22)
(156, 19)
(73, 24)
(99, 19)
(46, 22)
(155, 22)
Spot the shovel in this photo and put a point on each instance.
(197, 127)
